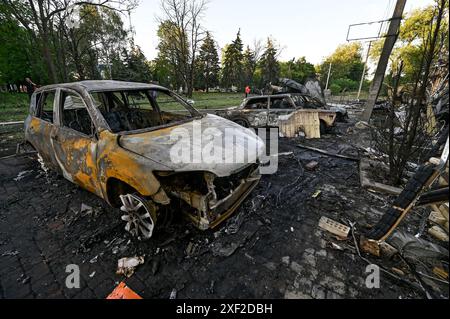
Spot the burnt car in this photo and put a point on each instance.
(304, 99)
(266, 111)
(115, 139)
(308, 102)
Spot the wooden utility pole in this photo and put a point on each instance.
(392, 35)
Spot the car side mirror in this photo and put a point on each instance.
(191, 102)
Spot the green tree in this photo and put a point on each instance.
(138, 66)
(207, 66)
(299, 70)
(413, 37)
(162, 71)
(172, 55)
(249, 64)
(232, 68)
(423, 51)
(17, 55)
(347, 67)
(97, 39)
(270, 67)
(45, 24)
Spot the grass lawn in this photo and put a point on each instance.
(13, 106)
(216, 100)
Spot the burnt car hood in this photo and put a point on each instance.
(156, 145)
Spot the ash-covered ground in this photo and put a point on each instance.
(271, 247)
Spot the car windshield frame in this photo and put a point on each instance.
(194, 113)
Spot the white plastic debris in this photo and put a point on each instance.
(127, 265)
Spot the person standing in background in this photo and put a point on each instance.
(247, 91)
(31, 87)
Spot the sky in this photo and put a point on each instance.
(311, 28)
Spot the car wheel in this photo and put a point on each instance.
(140, 216)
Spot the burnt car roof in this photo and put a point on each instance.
(102, 85)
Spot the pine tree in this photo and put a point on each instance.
(138, 66)
(269, 64)
(208, 67)
(232, 63)
(249, 64)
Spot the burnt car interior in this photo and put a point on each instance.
(75, 114)
(45, 102)
(132, 110)
(257, 103)
(280, 103)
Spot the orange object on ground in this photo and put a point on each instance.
(123, 292)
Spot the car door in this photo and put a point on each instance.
(75, 141)
(42, 126)
(279, 106)
(256, 111)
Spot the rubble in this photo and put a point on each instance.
(249, 248)
(334, 227)
(127, 265)
(328, 153)
(312, 165)
(85, 209)
(364, 167)
(410, 246)
(370, 246)
(438, 233)
(21, 175)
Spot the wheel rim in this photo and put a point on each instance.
(139, 218)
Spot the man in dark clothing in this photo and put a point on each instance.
(31, 86)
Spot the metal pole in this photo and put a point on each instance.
(364, 71)
(391, 38)
(328, 77)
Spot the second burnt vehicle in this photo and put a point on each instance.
(303, 97)
(267, 110)
(308, 102)
(115, 139)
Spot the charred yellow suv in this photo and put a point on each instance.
(118, 140)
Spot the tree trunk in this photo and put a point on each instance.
(45, 41)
